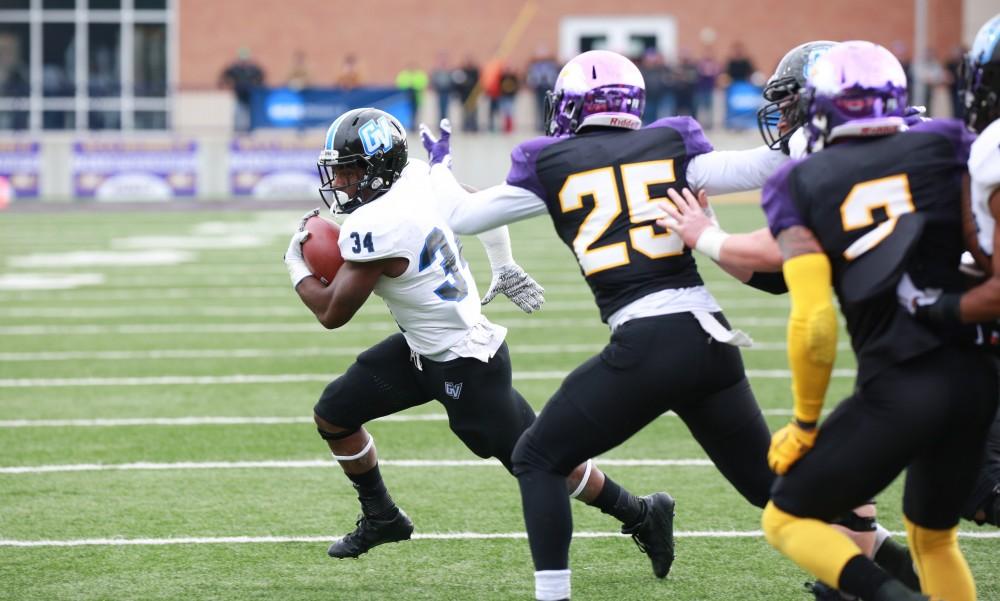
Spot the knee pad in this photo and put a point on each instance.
(336, 435)
(855, 523)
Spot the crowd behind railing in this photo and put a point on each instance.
(482, 94)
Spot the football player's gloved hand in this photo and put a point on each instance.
(788, 445)
(294, 261)
(515, 283)
(930, 306)
(438, 147)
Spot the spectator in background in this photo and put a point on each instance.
(708, 72)
(489, 81)
(685, 84)
(739, 66)
(954, 79)
(932, 76)
(298, 77)
(242, 76)
(509, 85)
(466, 83)
(441, 83)
(350, 73)
(541, 76)
(658, 80)
(414, 80)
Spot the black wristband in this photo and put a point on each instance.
(946, 310)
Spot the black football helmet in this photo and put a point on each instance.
(782, 94)
(370, 141)
(981, 77)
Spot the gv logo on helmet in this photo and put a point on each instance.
(376, 135)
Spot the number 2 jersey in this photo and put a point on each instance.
(435, 301)
(601, 187)
(881, 207)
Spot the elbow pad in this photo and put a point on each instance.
(772, 283)
(812, 332)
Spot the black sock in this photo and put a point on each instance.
(895, 559)
(620, 503)
(861, 577)
(375, 499)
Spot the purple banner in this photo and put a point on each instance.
(274, 168)
(135, 170)
(19, 163)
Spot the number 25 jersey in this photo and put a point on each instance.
(601, 188)
(435, 301)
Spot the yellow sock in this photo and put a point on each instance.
(814, 545)
(942, 568)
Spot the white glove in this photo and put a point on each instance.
(294, 261)
(911, 297)
(515, 283)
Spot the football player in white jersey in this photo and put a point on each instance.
(397, 244)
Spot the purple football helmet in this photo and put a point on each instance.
(598, 87)
(856, 89)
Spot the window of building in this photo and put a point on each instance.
(86, 64)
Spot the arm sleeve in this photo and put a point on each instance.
(496, 242)
(770, 282)
(725, 171)
(476, 212)
(812, 332)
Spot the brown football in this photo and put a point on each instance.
(320, 250)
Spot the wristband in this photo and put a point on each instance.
(947, 309)
(298, 272)
(710, 242)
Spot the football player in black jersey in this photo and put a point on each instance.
(780, 122)
(876, 211)
(599, 175)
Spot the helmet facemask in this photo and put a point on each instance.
(357, 184)
(782, 115)
(981, 86)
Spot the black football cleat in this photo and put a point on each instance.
(823, 592)
(894, 590)
(371, 533)
(654, 535)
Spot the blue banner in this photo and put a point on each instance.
(318, 107)
(742, 101)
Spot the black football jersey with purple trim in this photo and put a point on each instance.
(602, 188)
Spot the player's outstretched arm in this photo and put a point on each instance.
(509, 278)
(812, 342)
(725, 171)
(692, 218)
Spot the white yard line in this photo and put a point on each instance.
(289, 378)
(243, 540)
(312, 351)
(301, 326)
(296, 310)
(222, 420)
(312, 464)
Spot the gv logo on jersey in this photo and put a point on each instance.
(376, 135)
(453, 389)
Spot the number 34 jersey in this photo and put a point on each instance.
(435, 301)
(881, 207)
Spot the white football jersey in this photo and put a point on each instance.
(984, 169)
(435, 301)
